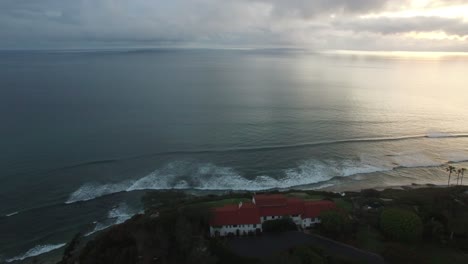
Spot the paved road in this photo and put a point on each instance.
(268, 244)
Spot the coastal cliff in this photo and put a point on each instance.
(422, 224)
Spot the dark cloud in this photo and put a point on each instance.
(56, 23)
(308, 8)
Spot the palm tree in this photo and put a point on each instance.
(462, 174)
(458, 175)
(450, 169)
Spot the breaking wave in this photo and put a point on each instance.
(115, 216)
(90, 191)
(207, 176)
(36, 251)
(12, 214)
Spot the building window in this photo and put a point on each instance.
(234, 226)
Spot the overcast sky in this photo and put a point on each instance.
(440, 25)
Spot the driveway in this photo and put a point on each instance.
(268, 244)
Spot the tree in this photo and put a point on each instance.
(462, 174)
(333, 222)
(450, 169)
(183, 235)
(434, 229)
(401, 224)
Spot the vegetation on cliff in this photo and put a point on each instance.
(420, 225)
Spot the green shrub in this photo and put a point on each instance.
(333, 222)
(401, 224)
(434, 230)
(370, 193)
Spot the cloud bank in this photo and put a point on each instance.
(319, 24)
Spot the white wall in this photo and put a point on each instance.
(308, 222)
(297, 220)
(225, 230)
(267, 218)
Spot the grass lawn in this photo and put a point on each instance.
(221, 203)
(306, 196)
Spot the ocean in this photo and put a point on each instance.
(85, 133)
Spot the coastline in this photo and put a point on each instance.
(364, 209)
(55, 255)
(382, 188)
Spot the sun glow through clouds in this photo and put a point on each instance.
(427, 9)
(435, 35)
(458, 11)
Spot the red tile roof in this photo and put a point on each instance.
(268, 205)
(291, 206)
(295, 206)
(233, 215)
(313, 209)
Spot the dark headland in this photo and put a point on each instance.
(419, 224)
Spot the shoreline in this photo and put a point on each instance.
(55, 255)
(395, 187)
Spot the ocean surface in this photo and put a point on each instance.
(84, 133)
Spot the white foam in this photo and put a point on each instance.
(115, 216)
(91, 191)
(12, 214)
(313, 171)
(325, 185)
(208, 176)
(36, 251)
(352, 167)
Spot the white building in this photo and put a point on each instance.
(248, 218)
(242, 219)
(312, 210)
